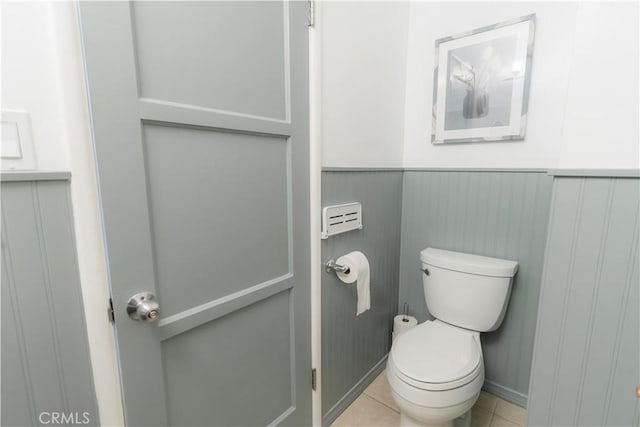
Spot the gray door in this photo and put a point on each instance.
(200, 120)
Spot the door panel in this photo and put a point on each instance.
(200, 121)
(180, 59)
(235, 191)
(245, 382)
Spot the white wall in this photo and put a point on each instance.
(550, 75)
(601, 120)
(42, 73)
(583, 108)
(363, 82)
(29, 78)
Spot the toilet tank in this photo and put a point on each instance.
(465, 290)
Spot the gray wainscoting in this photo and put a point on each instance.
(585, 366)
(499, 214)
(45, 354)
(353, 347)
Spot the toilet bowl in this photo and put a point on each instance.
(435, 372)
(436, 369)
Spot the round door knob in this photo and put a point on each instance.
(143, 307)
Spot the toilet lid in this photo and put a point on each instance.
(436, 353)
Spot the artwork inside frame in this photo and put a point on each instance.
(481, 83)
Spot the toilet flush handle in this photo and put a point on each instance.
(425, 271)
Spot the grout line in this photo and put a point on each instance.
(381, 402)
(376, 401)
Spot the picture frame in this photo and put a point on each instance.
(481, 83)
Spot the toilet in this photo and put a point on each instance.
(436, 369)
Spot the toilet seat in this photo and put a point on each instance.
(436, 356)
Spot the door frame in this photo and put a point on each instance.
(315, 199)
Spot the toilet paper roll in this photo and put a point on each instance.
(358, 272)
(400, 326)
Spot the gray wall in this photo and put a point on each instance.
(585, 367)
(353, 347)
(498, 214)
(45, 354)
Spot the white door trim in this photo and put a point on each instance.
(86, 211)
(315, 174)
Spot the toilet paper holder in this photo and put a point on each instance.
(331, 267)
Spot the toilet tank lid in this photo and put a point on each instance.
(467, 263)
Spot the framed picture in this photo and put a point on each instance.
(481, 83)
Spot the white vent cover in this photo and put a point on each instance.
(340, 218)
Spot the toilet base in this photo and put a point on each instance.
(462, 421)
(407, 421)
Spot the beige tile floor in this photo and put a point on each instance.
(375, 407)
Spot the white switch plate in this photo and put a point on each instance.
(341, 218)
(16, 145)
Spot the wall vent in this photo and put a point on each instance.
(341, 218)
